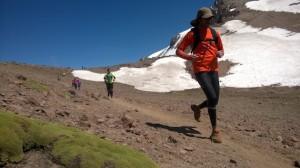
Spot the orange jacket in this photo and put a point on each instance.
(207, 50)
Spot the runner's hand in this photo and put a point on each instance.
(193, 57)
(220, 54)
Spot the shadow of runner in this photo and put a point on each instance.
(186, 130)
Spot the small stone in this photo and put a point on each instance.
(233, 161)
(210, 152)
(100, 120)
(21, 77)
(172, 140)
(279, 138)
(182, 151)
(146, 133)
(167, 146)
(294, 139)
(83, 118)
(127, 120)
(109, 116)
(139, 140)
(297, 145)
(250, 130)
(84, 124)
(189, 149)
(134, 124)
(137, 132)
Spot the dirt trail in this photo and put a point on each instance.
(259, 157)
(251, 152)
(156, 114)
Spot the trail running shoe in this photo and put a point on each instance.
(215, 136)
(197, 112)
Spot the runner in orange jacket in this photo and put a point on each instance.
(205, 65)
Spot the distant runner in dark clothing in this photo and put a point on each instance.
(109, 79)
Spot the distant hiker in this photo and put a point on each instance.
(58, 77)
(75, 83)
(78, 84)
(109, 79)
(207, 47)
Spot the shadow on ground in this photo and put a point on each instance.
(186, 130)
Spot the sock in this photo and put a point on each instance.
(213, 117)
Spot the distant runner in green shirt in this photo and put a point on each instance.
(109, 79)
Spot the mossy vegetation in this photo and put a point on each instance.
(34, 85)
(67, 94)
(67, 145)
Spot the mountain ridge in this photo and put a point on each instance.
(223, 12)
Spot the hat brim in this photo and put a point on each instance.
(206, 16)
(194, 22)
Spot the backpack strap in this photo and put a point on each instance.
(214, 34)
(197, 38)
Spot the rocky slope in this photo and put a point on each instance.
(260, 126)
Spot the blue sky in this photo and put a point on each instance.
(90, 33)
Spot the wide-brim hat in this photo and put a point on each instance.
(203, 13)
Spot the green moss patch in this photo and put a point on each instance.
(69, 146)
(34, 85)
